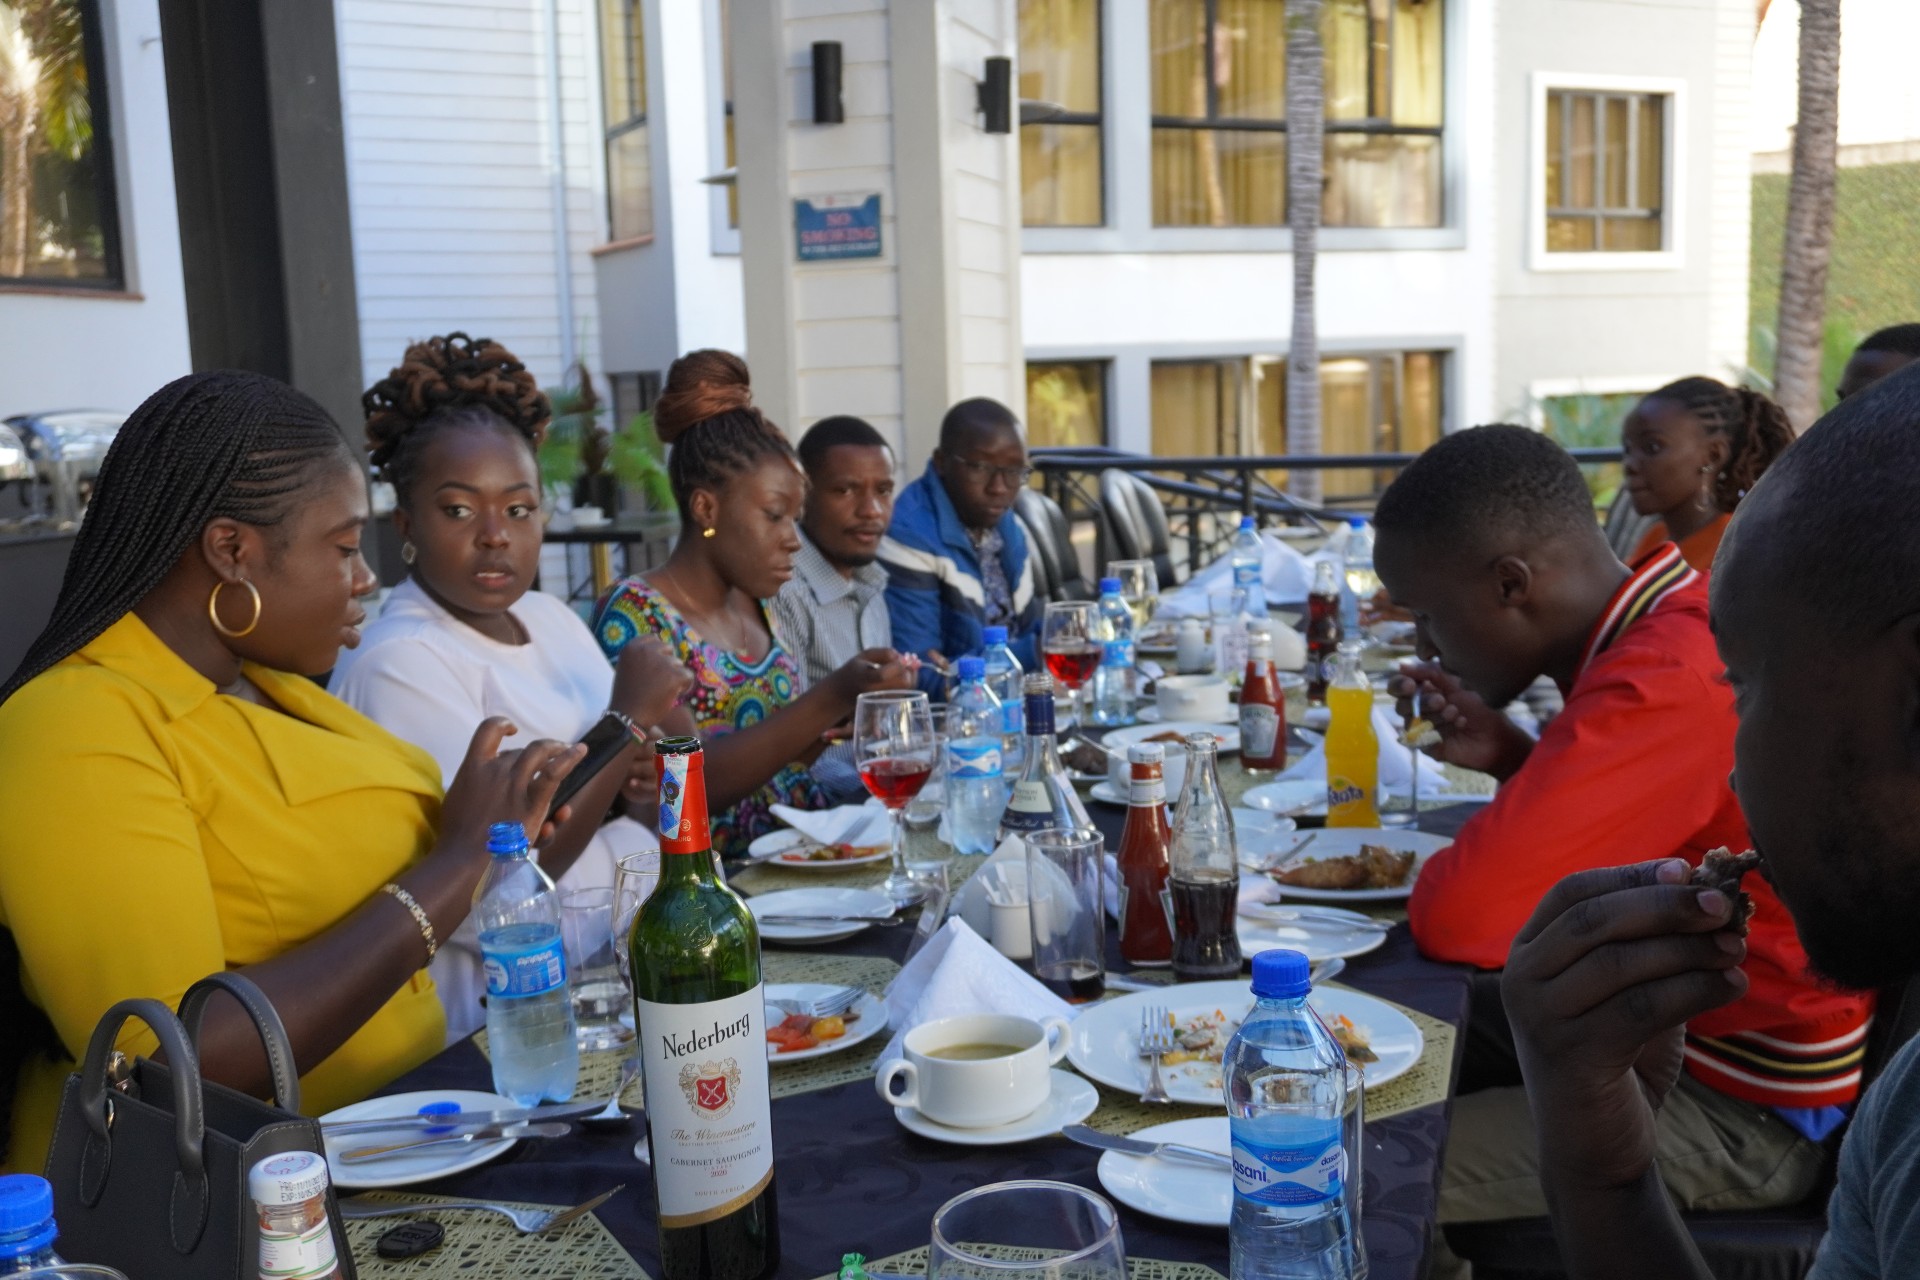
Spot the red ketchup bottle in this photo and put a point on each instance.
(1263, 708)
(1146, 937)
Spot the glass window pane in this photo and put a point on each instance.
(1653, 164)
(1067, 403)
(1555, 133)
(1417, 63)
(1060, 175)
(1060, 53)
(1580, 154)
(1195, 408)
(1178, 31)
(1631, 235)
(1219, 178)
(629, 185)
(1345, 32)
(726, 108)
(1614, 165)
(57, 214)
(1569, 235)
(614, 90)
(1250, 59)
(1419, 401)
(1382, 180)
(1347, 420)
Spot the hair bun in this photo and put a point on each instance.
(701, 385)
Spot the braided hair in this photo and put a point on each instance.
(448, 382)
(706, 413)
(1756, 429)
(225, 444)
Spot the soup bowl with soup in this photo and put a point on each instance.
(976, 1071)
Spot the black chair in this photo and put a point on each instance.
(1056, 562)
(1139, 523)
(1759, 1244)
(1625, 526)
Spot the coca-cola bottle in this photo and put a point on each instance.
(1145, 844)
(1203, 877)
(1263, 708)
(1323, 630)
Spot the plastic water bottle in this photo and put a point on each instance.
(976, 774)
(1113, 678)
(1249, 567)
(1006, 678)
(530, 1031)
(1361, 583)
(26, 1223)
(1286, 1087)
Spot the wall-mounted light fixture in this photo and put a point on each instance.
(996, 96)
(827, 105)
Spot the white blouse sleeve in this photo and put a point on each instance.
(412, 692)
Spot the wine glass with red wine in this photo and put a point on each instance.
(894, 746)
(1070, 640)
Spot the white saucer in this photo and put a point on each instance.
(1071, 1101)
(816, 902)
(1106, 793)
(406, 1168)
(1174, 1189)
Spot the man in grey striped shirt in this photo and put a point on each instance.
(835, 604)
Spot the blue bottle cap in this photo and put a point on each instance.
(1355, 522)
(440, 1109)
(994, 635)
(973, 668)
(1109, 586)
(1246, 522)
(26, 1214)
(1281, 974)
(506, 839)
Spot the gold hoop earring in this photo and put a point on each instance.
(407, 553)
(707, 532)
(213, 611)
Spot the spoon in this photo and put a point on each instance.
(611, 1117)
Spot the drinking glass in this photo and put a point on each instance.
(893, 745)
(1066, 913)
(1229, 611)
(1027, 1230)
(1353, 1138)
(925, 809)
(1139, 587)
(634, 878)
(596, 973)
(1070, 638)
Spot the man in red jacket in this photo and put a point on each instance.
(1489, 540)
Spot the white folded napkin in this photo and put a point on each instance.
(848, 824)
(958, 973)
(974, 908)
(1285, 573)
(1396, 762)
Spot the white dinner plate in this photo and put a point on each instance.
(1105, 1044)
(1106, 793)
(1318, 940)
(1176, 1190)
(406, 1168)
(1069, 1102)
(816, 902)
(776, 849)
(868, 1015)
(1334, 842)
(1120, 739)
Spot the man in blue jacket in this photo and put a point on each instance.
(956, 559)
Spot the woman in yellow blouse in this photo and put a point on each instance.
(181, 798)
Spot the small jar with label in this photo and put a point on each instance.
(296, 1239)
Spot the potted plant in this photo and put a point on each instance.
(608, 467)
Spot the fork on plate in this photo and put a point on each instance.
(830, 1005)
(527, 1221)
(1156, 1038)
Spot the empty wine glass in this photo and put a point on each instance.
(634, 878)
(1070, 639)
(1028, 1230)
(894, 746)
(1139, 588)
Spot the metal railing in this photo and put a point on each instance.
(1204, 497)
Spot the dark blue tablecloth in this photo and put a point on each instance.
(851, 1179)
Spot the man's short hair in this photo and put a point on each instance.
(1899, 339)
(1484, 485)
(831, 433)
(1840, 512)
(978, 415)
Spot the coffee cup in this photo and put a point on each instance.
(976, 1071)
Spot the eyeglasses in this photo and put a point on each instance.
(986, 471)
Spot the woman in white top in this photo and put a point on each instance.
(454, 429)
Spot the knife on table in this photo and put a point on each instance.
(488, 1134)
(1086, 1137)
(461, 1119)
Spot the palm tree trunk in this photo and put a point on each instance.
(1306, 127)
(1809, 240)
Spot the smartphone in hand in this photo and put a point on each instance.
(605, 743)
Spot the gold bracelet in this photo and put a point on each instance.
(418, 913)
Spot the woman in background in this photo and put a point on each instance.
(456, 428)
(1692, 450)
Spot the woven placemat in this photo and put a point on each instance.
(1424, 1085)
(486, 1244)
(914, 1263)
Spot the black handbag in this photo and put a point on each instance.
(149, 1172)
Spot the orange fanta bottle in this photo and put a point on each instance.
(1353, 749)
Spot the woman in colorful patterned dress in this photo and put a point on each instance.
(740, 490)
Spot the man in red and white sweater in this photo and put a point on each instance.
(1489, 540)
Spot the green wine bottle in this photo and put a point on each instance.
(701, 1017)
